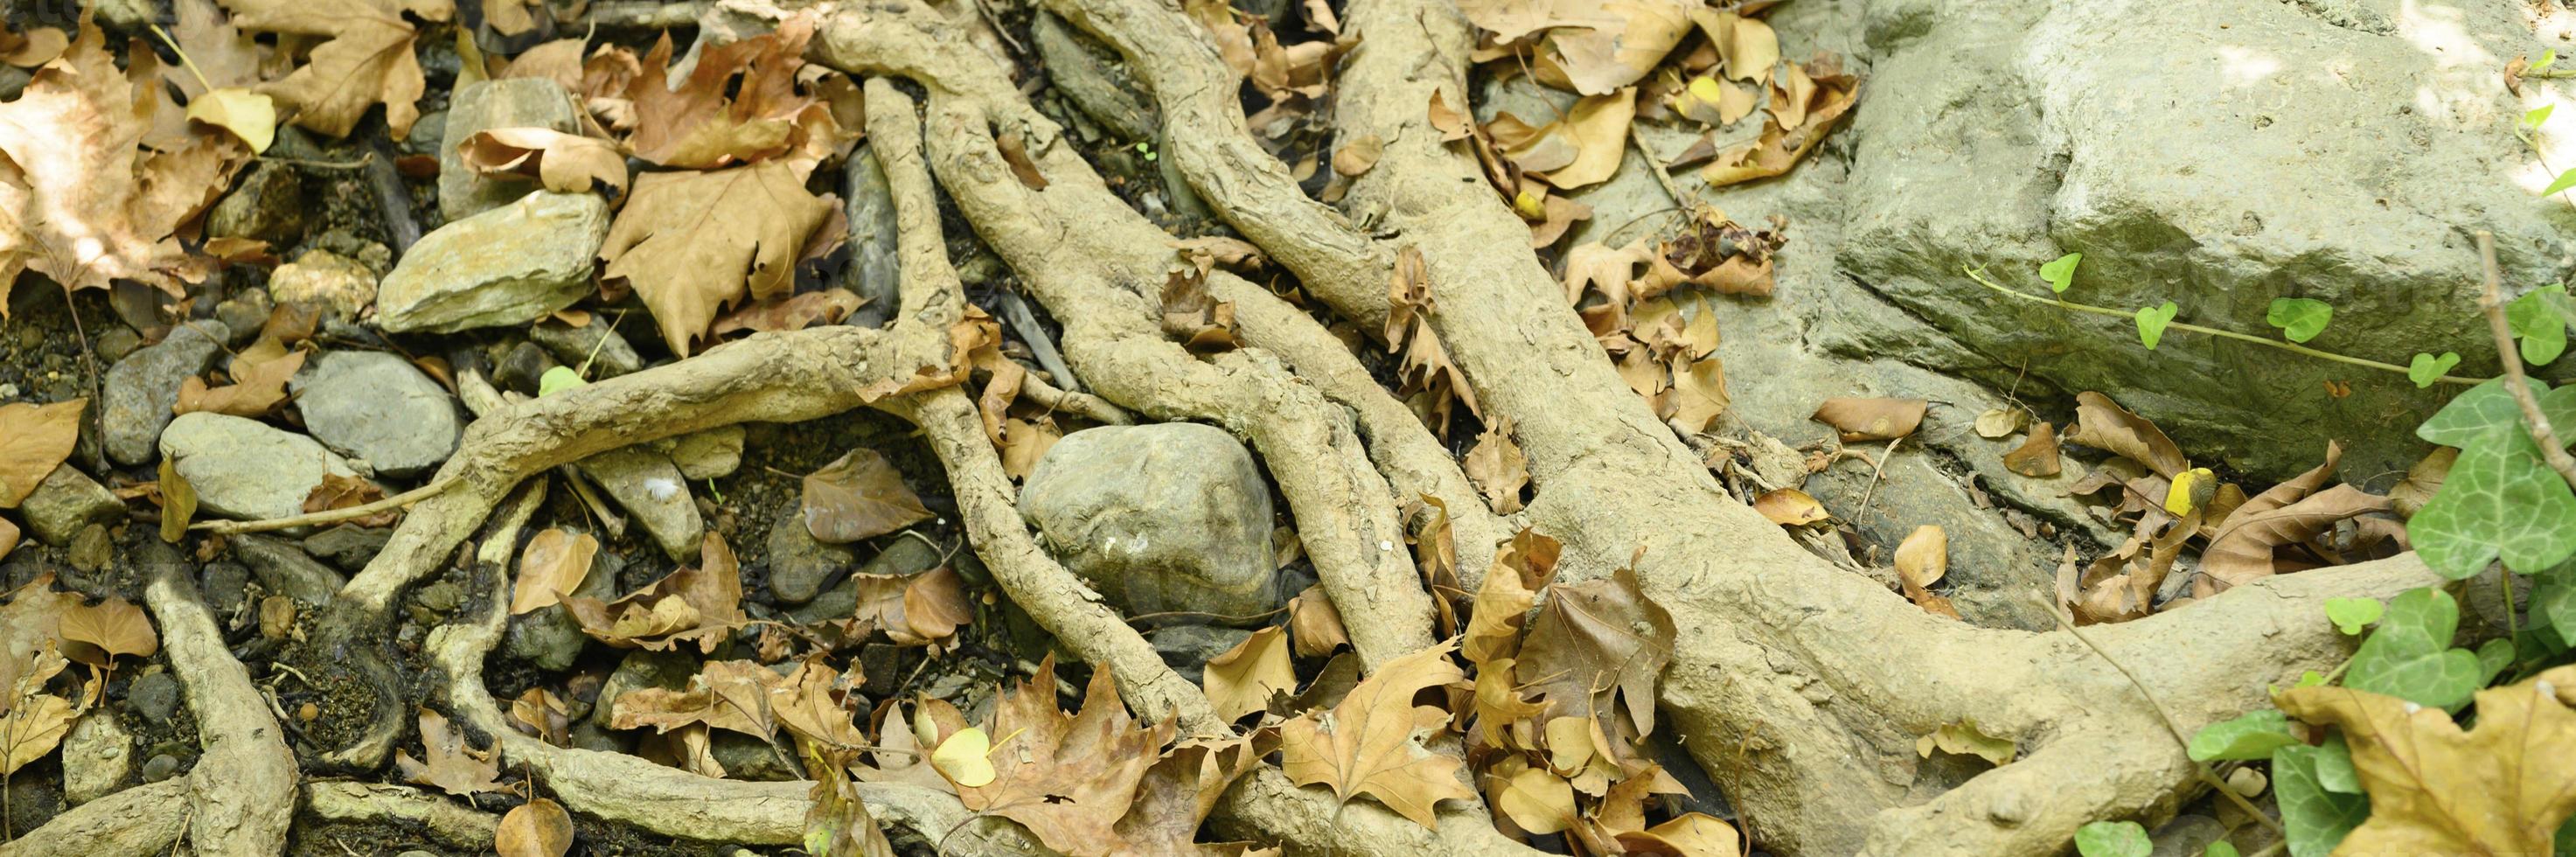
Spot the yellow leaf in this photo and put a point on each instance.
(2190, 488)
(2501, 788)
(249, 115)
(552, 566)
(1537, 800)
(965, 758)
(1790, 507)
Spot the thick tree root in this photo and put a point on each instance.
(241, 794)
(452, 825)
(136, 822)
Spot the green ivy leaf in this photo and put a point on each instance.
(2252, 736)
(2535, 320)
(2410, 655)
(2565, 180)
(2536, 116)
(2553, 603)
(2152, 321)
(2427, 368)
(2221, 849)
(2493, 657)
(2501, 501)
(2060, 273)
(2546, 59)
(2489, 408)
(2334, 766)
(2113, 839)
(2313, 818)
(557, 380)
(2300, 319)
(2350, 614)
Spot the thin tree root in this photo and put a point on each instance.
(452, 825)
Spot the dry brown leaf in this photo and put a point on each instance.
(1791, 92)
(811, 703)
(35, 47)
(1779, 148)
(2037, 456)
(1871, 419)
(1595, 639)
(219, 54)
(740, 104)
(1698, 393)
(2102, 424)
(452, 766)
(1534, 799)
(1498, 467)
(1689, 835)
(858, 496)
(1015, 152)
(1357, 156)
(1371, 743)
(1067, 778)
(348, 492)
(2501, 788)
(551, 567)
(95, 634)
(1243, 679)
(1503, 600)
(1924, 557)
(1615, 43)
(561, 162)
(259, 384)
(1315, 624)
(8, 537)
(510, 18)
(1998, 423)
(701, 604)
(2241, 550)
(1180, 790)
(1425, 363)
(692, 243)
(1198, 320)
(1598, 128)
(1452, 125)
(731, 695)
(367, 58)
(1747, 46)
(2422, 479)
(34, 439)
(796, 312)
(1790, 507)
(542, 714)
(538, 828)
(32, 729)
(918, 610)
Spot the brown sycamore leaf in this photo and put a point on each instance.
(561, 162)
(2503, 787)
(701, 604)
(1425, 364)
(1498, 467)
(1871, 419)
(551, 567)
(741, 102)
(1594, 639)
(1180, 790)
(811, 702)
(452, 766)
(1067, 778)
(1371, 743)
(1790, 507)
(1534, 799)
(919, 610)
(859, 496)
(219, 54)
(795, 312)
(95, 634)
(32, 48)
(692, 243)
(2102, 424)
(1503, 601)
(33, 728)
(1780, 147)
(1698, 393)
(259, 384)
(1614, 43)
(1694, 834)
(2037, 457)
(366, 58)
(1244, 678)
(80, 201)
(1201, 322)
(731, 695)
(1313, 622)
(34, 439)
(538, 828)
(543, 715)
(2240, 551)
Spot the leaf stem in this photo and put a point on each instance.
(1980, 277)
(2534, 419)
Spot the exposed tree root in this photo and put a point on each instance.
(452, 825)
(241, 794)
(139, 821)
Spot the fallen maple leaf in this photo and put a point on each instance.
(1244, 678)
(259, 384)
(452, 766)
(2503, 787)
(367, 58)
(1503, 600)
(1498, 467)
(858, 496)
(1179, 791)
(1597, 638)
(1780, 146)
(1371, 743)
(1198, 320)
(2295, 511)
(551, 567)
(1068, 779)
(809, 703)
(34, 439)
(701, 604)
(692, 243)
(739, 104)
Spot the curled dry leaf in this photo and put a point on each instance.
(1780, 147)
(451, 765)
(1503, 601)
(795, 312)
(34, 439)
(551, 567)
(741, 103)
(258, 389)
(2422, 480)
(701, 604)
(1924, 557)
(1244, 678)
(1534, 799)
(2037, 456)
(730, 695)
(1357, 156)
(1067, 778)
(1871, 419)
(1595, 639)
(563, 162)
(2240, 551)
(1180, 790)
(812, 703)
(35, 47)
(538, 828)
(543, 715)
(1698, 393)
(368, 58)
(1315, 624)
(1693, 834)
(1596, 49)
(1790, 507)
(858, 496)
(1995, 423)
(95, 634)
(349, 492)
(32, 728)
(692, 243)
(1371, 743)
(1200, 321)
(2102, 424)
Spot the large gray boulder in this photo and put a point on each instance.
(1160, 518)
(246, 469)
(2228, 153)
(141, 389)
(374, 406)
(508, 266)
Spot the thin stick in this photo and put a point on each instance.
(1016, 312)
(2533, 419)
(1878, 470)
(2172, 725)
(2293, 347)
(1655, 167)
(327, 516)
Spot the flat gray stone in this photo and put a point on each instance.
(606, 350)
(154, 696)
(246, 469)
(516, 102)
(348, 546)
(651, 488)
(377, 407)
(66, 501)
(98, 755)
(799, 565)
(285, 569)
(1172, 517)
(141, 389)
(507, 266)
(548, 636)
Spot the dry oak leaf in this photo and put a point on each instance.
(1244, 678)
(95, 634)
(452, 766)
(1871, 419)
(367, 58)
(1596, 638)
(2102, 424)
(1180, 790)
(1067, 778)
(2501, 788)
(538, 828)
(1371, 743)
(551, 567)
(1790, 507)
(693, 243)
(80, 201)
(858, 496)
(34, 439)
(701, 604)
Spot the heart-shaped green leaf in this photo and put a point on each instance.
(2410, 656)
(2537, 115)
(2253, 736)
(2500, 500)
(2300, 319)
(2060, 273)
(2427, 368)
(2113, 839)
(2351, 614)
(2565, 180)
(2314, 818)
(2152, 321)
(2537, 319)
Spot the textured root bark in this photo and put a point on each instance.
(139, 821)
(452, 825)
(241, 794)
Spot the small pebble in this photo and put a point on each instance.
(160, 768)
(91, 548)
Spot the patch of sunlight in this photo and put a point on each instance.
(2456, 91)
(2242, 67)
(2442, 33)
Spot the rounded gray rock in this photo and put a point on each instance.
(246, 469)
(154, 696)
(141, 389)
(66, 501)
(508, 266)
(376, 407)
(1172, 517)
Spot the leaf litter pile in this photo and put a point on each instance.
(1541, 700)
